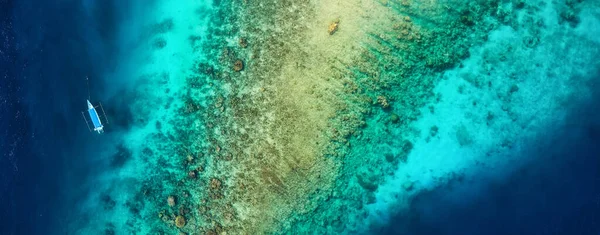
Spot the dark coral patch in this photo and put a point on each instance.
(121, 156)
(238, 65)
(162, 27)
(159, 43)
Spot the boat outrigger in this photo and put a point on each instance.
(98, 127)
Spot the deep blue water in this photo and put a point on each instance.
(48, 48)
(557, 193)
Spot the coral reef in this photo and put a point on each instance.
(238, 65)
(122, 155)
(171, 201)
(265, 135)
(180, 221)
(243, 42)
(383, 102)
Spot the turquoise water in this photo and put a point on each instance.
(354, 117)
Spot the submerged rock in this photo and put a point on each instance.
(122, 155)
(171, 201)
(238, 65)
(383, 102)
(367, 180)
(180, 221)
(407, 185)
(159, 43)
(243, 43)
(215, 184)
(390, 157)
(333, 27)
(192, 174)
(463, 136)
(394, 118)
(162, 27)
(108, 202)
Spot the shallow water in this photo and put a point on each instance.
(557, 193)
